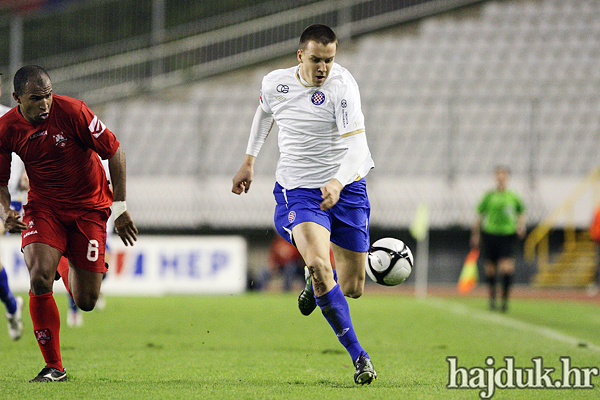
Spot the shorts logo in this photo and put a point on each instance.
(317, 98)
(60, 140)
(344, 103)
(30, 233)
(43, 336)
(292, 216)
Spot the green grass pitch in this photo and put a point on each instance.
(258, 346)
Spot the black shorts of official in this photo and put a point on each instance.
(496, 247)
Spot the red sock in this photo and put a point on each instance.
(63, 270)
(46, 326)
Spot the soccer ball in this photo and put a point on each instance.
(389, 262)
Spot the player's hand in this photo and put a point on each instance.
(330, 194)
(126, 228)
(13, 222)
(242, 180)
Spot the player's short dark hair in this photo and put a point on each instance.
(29, 73)
(317, 33)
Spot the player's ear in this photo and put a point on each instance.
(16, 97)
(299, 55)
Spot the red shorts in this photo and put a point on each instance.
(80, 235)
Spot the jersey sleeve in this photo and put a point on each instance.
(483, 204)
(348, 113)
(95, 134)
(519, 206)
(264, 103)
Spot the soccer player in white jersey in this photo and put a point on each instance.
(13, 304)
(320, 190)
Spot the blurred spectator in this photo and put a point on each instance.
(284, 259)
(595, 236)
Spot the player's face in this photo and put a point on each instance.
(35, 102)
(316, 60)
(502, 178)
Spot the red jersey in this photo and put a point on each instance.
(60, 155)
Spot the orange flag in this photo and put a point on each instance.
(469, 276)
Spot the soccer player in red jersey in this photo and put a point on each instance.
(59, 140)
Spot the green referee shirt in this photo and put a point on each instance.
(500, 211)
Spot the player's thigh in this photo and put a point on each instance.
(350, 267)
(312, 241)
(506, 265)
(85, 286)
(87, 242)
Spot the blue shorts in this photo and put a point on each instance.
(347, 221)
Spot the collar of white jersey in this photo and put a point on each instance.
(300, 78)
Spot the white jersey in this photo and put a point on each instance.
(16, 170)
(3, 110)
(312, 122)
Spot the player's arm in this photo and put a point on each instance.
(358, 152)
(481, 211)
(476, 232)
(123, 222)
(521, 227)
(11, 218)
(261, 126)
(521, 220)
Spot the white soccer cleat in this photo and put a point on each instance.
(100, 303)
(74, 318)
(15, 321)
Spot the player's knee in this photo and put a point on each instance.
(86, 302)
(318, 269)
(353, 291)
(355, 294)
(316, 263)
(41, 281)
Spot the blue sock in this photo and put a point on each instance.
(335, 309)
(6, 295)
(72, 305)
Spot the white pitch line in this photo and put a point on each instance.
(461, 309)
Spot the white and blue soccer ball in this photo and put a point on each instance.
(389, 262)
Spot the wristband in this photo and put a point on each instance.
(118, 208)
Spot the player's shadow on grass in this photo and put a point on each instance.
(333, 351)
